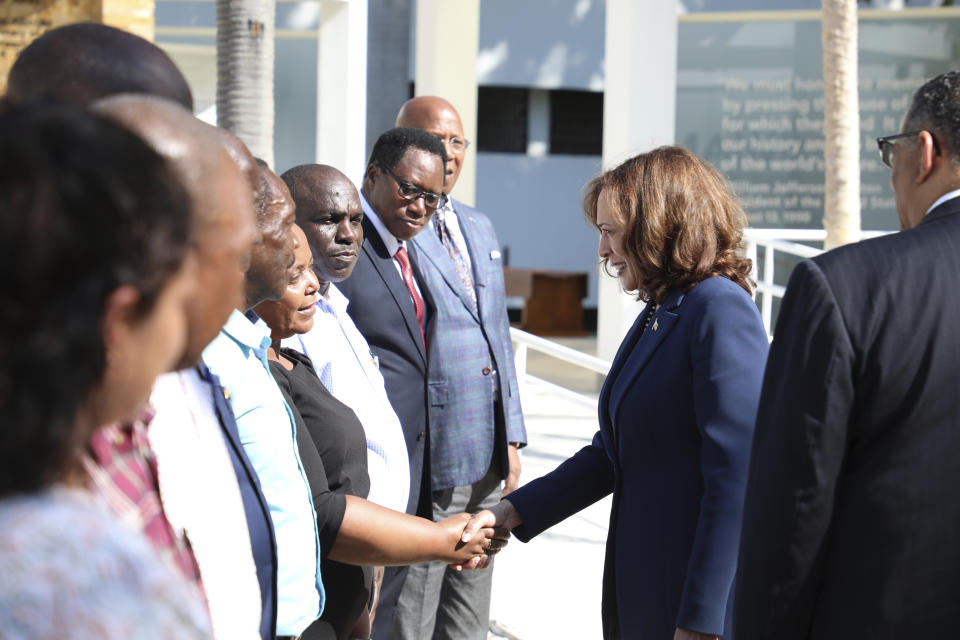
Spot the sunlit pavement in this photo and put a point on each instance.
(550, 587)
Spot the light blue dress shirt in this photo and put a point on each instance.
(268, 434)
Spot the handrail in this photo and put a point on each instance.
(523, 341)
(559, 351)
(786, 241)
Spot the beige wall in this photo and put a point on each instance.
(21, 21)
(446, 66)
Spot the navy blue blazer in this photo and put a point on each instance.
(852, 519)
(466, 346)
(255, 507)
(676, 415)
(381, 307)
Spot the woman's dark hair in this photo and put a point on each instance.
(85, 206)
(683, 224)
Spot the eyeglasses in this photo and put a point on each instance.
(885, 144)
(457, 145)
(411, 192)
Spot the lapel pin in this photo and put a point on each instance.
(656, 324)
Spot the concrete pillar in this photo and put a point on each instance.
(639, 113)
(342, 86)
(447, 36)
(22, 21)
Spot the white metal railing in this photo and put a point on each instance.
(523, 341)
(786, 241)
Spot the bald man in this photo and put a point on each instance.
(477, 427)
(207, 491)
(80, 63)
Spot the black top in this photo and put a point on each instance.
(333, 451)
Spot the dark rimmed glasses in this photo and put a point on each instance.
(410, 192)
(885, 144)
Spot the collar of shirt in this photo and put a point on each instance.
(334, 300)
(248, 335)
(389, 240)
(950, 195)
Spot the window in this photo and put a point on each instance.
(576, 122)
(502, 119)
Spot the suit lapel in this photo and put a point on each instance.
(645, 345)
(432, 250)
(629, 342)
(383, 263)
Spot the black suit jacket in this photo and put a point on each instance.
(382, 309)
(852, 519)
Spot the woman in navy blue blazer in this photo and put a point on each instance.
(678, 406)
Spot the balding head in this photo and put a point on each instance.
(80, 63)
(329, 212)
(221, 206)
(194, 148)
(437, 116)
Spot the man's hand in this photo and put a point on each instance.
(513, 473)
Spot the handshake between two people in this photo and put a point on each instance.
(484, 534)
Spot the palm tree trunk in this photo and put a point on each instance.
(841, 125)
(245, 50)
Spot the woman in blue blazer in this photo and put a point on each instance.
(678, 406)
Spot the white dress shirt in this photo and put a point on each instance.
(342, 360)
(201, 499)
(950, 195)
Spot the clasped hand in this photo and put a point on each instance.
(495, 524)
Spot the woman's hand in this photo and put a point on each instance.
(463, 551)
(686, 634)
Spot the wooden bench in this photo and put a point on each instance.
(553, 300)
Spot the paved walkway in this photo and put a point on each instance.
(550, 587)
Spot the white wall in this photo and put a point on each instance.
(546, 44)
(535, 205)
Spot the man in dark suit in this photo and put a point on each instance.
(476, 424)
(853, 504)
(402, 187)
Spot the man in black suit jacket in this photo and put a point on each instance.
(402, 188)
(852, 516)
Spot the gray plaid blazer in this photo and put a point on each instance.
(464, 348)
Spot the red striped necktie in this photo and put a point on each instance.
(407, 273)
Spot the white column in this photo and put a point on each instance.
(447, 37)
(342, 86)
(639, 113)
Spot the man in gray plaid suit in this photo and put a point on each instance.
(476, 425)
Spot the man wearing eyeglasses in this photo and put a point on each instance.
(402, 188)
(852, 512)
(476, 424)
